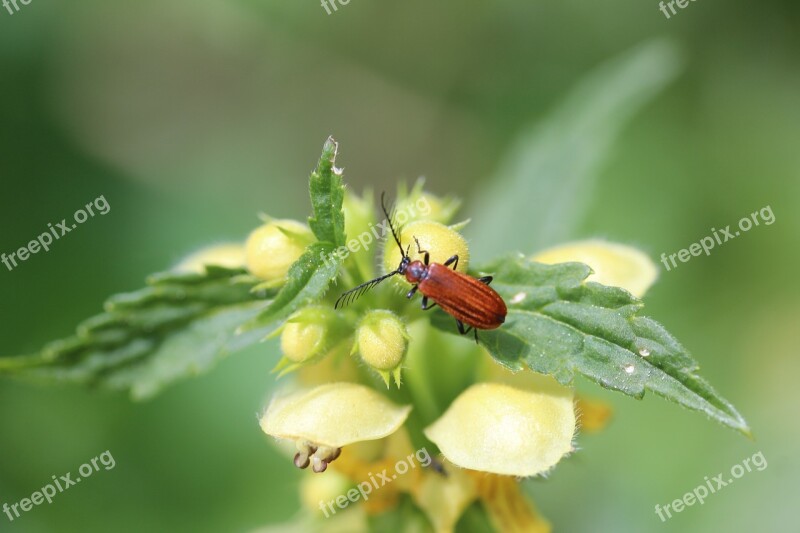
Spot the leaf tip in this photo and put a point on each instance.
(330, 148)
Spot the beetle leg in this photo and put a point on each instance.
(425, 305)
(462, 330)
(453, 260)
(486, 279)
(412, 291)
(420, 251)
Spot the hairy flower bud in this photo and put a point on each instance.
(272, 248)
(382, 342)
(304, 334)
(309, 334)
(439, 240)
(421, 205)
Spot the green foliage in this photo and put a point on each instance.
(310, 276)
(327, 196)
(561, 325)
(177, 325)
(308, 279)
(558, 323)
(180, 324)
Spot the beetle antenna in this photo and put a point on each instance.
(355, 293)
(391, 225)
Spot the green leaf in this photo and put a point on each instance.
(327, 195)
(546, 177)
(559, 324)
(178, 325)
(308, 280)
(310, 276)
(181, 323)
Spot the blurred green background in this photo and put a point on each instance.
(193, 116)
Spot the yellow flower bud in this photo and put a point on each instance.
(614, 264)
(421, 205)
(300, 342)
(501, 429)
(382, 342)
(310, 334)
(272, 248)
(304, 334)
(441, 241)
(230, 255)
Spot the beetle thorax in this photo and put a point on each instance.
(416, 271)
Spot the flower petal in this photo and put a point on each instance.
(333, 415)
(594, 415)
(507, 506)
(444, 499)
(230, 255)
(501, 429)
(614, 264)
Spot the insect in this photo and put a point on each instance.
(469, 300)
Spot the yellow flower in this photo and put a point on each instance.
(323, 419)
(501, 429)
(508, 509)
(614, 264)
(502, 426)
(230, 255)
(593, 415)
(444, 498)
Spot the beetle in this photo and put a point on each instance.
(467, 299)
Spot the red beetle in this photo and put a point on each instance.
(469, 300)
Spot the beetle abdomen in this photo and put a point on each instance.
(466, 298)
